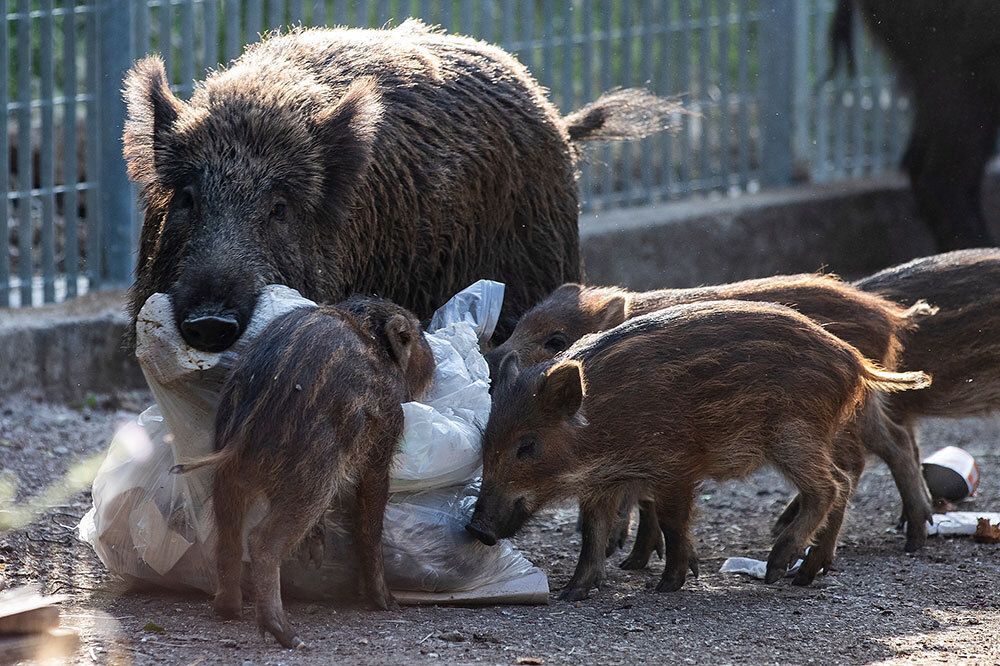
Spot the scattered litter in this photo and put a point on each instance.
(959, 523)
(751, 567)
(153, 627)
(986, 532)
(529, 660)
(951, 474)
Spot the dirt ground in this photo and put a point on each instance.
(878, 605)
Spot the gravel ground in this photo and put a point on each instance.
(878, 605)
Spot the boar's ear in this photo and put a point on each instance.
(510, 368)
(347, 131)
(400, 332)
(152, 112)
(562, 388)
(612, 312)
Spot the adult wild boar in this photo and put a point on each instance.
(404, 163)
(949, 55)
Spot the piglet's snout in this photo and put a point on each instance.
(479, 528)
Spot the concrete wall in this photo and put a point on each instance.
(852, 229)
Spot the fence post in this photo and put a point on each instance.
(777, 55)
(115, 49)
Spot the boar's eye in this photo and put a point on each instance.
(278, 211)
(556, 343)
(184, 199)
(528, 447)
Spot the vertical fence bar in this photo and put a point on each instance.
(607, 82)
(646, 79)
(821, 169)
(586, 93)
(234, 35)
(340, 12)
(24, 162)
(383, 12)
(164, 41)
(878, 113)
(508, 35)
(743, 83)
(527, 51)
(725, 124)
(116, 48)
(4, 162)
(778, 122)
(666, 75)
(296, 13)
(187, 47)
(210, 46)
(467, 20)
(627, 79)
(684, 68)
(548, 47)
(47, 180)
(858, 111)
(800, 70)
(275, 14)
(567, 92)
(254, 17)
(705, 99)
(319, 12)
(95, 260)
(71, 240)
(487, 26)
(141, 28)
(447, 15)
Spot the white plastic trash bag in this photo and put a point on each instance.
(151, 526)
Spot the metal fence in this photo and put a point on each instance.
(751, 71)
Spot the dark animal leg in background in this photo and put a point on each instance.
(373, 493)
(648, 538)
(622, 526)
(590, 567)
(230, 510)
(674, 514)
(954, 137)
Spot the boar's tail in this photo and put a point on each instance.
(198, 463)
(913, 314)
(621, 115)
(890, 382)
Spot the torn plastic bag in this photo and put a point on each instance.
(148, 525)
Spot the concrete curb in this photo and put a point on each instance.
(852, 229)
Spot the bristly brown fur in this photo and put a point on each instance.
(872, 324)
(311, 412)
(407, 163)
(704, 390)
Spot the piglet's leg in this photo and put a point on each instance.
(674, 512)
(373, 494)
(648, 538)
(597, 520)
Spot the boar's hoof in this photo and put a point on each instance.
(635, 561)
(385, 602)
(693, 564)
(915, 540)
(671, 582)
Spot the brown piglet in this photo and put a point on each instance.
(870, 323)
(665, 400)
(311, 412)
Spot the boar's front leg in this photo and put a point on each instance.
(598, 517)
(373, 494)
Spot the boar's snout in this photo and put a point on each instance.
(478, 528)
(211, 333)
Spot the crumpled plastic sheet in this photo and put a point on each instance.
(150, 526)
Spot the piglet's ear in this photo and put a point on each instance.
(347, 131)
(152, 112)
(562, 388)
(612, 312)
(401, 338)
(510, 367)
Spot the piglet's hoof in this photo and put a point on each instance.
(574, 593)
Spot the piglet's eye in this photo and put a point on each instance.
(556, 343)
(278, 211)
(528, 448)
